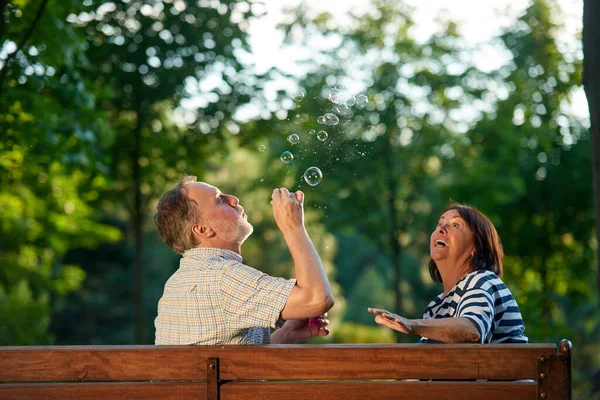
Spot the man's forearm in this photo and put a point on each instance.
(308, 268)
(447, 330)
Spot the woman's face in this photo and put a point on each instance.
(452, 241)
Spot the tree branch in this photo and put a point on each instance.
(24, 40)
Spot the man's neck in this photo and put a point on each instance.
(235, 247)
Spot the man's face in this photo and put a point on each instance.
(220, 212)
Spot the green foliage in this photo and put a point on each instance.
(48, 163)
(358, 333)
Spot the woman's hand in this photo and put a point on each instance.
(394, 321)
(445, 330)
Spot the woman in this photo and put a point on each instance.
(476, 306)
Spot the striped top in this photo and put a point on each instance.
(483, 298)
(213, 298)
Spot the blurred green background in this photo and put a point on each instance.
(105, 105)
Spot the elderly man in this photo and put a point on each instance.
(213, 298)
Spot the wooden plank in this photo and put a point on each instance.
(554, 374)
(424, 361)
(272, 362)
(109, 363)
(107, 390)
(379, 390)
(212, 378)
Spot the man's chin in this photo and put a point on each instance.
(248, 230)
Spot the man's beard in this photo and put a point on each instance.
(233, 231)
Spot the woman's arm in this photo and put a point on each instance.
(447, 330)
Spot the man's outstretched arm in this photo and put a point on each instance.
(312, 294)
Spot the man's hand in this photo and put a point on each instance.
(296, 330)
(288, 209)
(394, 321)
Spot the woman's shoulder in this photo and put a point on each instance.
(436, 300)
(482, 279)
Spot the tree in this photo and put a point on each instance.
(152, 55)
(591, 83)
(49, 166)
(386, 159)
(526, 165)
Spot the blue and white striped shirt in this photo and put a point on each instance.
(484, 299)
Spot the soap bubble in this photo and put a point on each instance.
(350, 101)
(261, 148)
(287, 157)
(322, 136)
(312, 131)
(298, 95)
(337, 95)
(313, 176)
(343, 110)
(331, 119)
(293, 138)
(301, 118)
(362, 101)
(321, 119)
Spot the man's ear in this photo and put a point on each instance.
(202, 232)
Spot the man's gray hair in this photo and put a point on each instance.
(175, 215)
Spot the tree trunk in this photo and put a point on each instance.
(393, 234)
(137, 219)
(591, 84)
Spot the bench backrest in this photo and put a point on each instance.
(399, 371)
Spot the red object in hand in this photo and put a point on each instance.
(314, 322)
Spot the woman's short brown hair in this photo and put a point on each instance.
(175, 215)
(488, 253)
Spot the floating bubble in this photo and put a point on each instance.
(261, 148)
(322, 136)
(301, 118)
(362, 101)
(350, 101)
(321, 119)
(298, 95)
(293, 138)
(287, 157)
(337, 95)
(312, 131)
(343, 110)
(331, 119)
(313, 176)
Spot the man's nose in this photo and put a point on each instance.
(232, 200)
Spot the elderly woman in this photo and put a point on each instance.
(476, 306)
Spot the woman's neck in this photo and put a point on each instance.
(452, 273)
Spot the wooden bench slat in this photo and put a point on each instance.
(380, 390)
(106, 390)
(139, 363)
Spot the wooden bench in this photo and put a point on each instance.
(336, 371)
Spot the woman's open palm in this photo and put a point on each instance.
(391, 320)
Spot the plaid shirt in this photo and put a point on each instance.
(213, 298)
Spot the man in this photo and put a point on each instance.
(213, 298)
